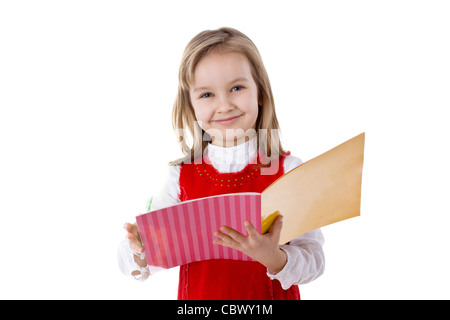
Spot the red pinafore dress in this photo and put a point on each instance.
(228, 279)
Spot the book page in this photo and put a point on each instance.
(319, 192)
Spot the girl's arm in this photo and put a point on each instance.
(305, 260)
(305, 256)
(299, 262)
(131, 264)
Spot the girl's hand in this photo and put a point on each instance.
(262, 248)
(134, 239)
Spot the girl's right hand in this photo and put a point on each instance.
(134, 241)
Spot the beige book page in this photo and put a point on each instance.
(324, 190)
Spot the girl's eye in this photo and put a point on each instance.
(237, 88)
(206, 95)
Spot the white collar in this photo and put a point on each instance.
(239, 155)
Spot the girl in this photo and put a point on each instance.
(225, 100)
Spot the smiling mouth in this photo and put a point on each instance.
(227, 120)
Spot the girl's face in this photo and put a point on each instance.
(225, 98)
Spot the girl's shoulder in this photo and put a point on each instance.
(291, 162)
(173, 168)
(168, 195)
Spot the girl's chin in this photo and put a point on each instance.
(230, 140)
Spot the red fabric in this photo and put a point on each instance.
(228, 279)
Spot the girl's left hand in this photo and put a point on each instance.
(262, 248)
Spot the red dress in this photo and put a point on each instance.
(228, 279)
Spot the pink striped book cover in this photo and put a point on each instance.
(184, 233)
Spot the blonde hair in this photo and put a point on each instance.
(183, 115)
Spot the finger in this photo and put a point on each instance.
(133, 237)
(276, 227)
(228, 242)
(252, 232)
(135, 244)
(131, 228)
(223, 243)
(235, 235)
(224, 237)
(132, 232)
(136, 248)
(225, 240)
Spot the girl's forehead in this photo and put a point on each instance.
(231, 60)
(217, 66)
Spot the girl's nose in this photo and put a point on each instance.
(224, 105)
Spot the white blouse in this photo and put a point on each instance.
(305, 256)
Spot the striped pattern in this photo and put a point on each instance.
(184, 233)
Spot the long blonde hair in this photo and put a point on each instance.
(183, 115)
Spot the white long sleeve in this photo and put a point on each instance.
(305, 257)
(168, 196)
(305, 260)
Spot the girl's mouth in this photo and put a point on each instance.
(227, 121)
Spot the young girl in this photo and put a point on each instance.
(225, 100)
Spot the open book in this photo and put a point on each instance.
(324, 190)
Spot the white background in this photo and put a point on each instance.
(86, 92)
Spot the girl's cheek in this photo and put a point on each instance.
(250, 104)
(203, 118)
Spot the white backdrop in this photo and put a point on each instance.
(86, 92)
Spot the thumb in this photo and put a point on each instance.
(132, 228)
(275, 228)
(133, 233)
